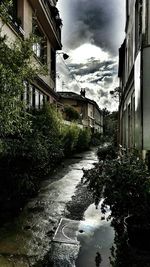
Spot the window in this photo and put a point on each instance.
(40, 45)
(53, 63)
(33, 97)
(13, 9)
(129, 125)
(138, 25)
(37, 99)
(41, 100)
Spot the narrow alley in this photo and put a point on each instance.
(26, 240)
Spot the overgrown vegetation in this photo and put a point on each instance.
(25, 160)
(71, 114)
(110, 126)
(75, 139)
(122, 180)
(31, 142)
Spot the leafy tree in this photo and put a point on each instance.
(110, 125)
(71, 113)
(84, 139)
(116, 93)
(70, 135)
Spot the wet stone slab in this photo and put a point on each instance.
(67, 231)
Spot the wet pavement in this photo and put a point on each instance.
(26, 240)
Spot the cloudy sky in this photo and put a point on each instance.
(92, 33)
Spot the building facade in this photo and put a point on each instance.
(134, 65)
(90, 113)
(40, 17)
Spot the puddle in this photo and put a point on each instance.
(95, 236)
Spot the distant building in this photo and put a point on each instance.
(134, 66)
(40, 17)
(90, 113)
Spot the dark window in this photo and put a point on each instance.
(12, 10)
(53, 63)
(138, 24)
(40, 45)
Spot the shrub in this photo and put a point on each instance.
(97, 139)
(107, 152)
(71, 113)
(29, 158)
(70, 136)
(46, 151)
(124, 184)
(84, 139)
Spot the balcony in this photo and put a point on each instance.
(48, 17)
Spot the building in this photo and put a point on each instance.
(40, 17)
(134, 66)
(90, 113)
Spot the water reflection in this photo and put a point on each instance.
(98, 259)
(96, 237)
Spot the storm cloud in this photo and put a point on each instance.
(93, 66)
(92, 34)
(96, 22)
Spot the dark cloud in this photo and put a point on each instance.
(97, 80)
(108, 79)
(94, 66)
(96, 22)
(102, 93)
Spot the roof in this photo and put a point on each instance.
(72, 95)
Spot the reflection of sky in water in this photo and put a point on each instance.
(97, 236)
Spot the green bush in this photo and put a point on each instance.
(71, 113)
(25, 160)
(70, 135)
(46, 151)
(107, 152)
(97, 139)
(84, 139)
(124, 183)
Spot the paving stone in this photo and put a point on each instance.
(66, 231)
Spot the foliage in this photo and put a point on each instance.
(44, 144)
(116, 93)
(15, 67)
(31, 143)
(5, 6)
(107, 152)
(18, 143)
(84, 139)
(127, 188)
(124, 184)
(26, 160)
(97, 139)
(71, 113)
(110, 126)
(70, 136)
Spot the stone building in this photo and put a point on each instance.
(90, 113)
(134, 66)
(40, 17)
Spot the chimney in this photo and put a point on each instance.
(82, 92)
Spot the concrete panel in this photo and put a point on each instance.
(138, 116)
(27, 19)
(146, 98)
